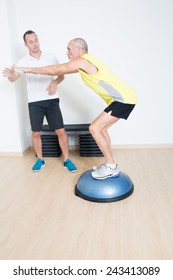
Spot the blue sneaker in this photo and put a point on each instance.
(70, 165)
(38, 165)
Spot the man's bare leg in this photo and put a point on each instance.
(37, 143)
(98, 129)
(63, 142)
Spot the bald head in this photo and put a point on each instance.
(79, 42)
(76, 48)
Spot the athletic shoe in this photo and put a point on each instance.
(98, 167)
(70, 165)
(105, 171)
(38, 165)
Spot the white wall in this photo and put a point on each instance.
(12, 113)
(134, 38)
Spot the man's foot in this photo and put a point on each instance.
(38, 165)
(70, 165)
(105, 171)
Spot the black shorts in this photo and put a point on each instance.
(120, 110)
(48, 108)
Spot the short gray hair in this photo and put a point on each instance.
(81, 43)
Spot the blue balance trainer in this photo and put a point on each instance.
(108, 190)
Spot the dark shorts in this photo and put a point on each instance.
(48, 108)
(120, 110)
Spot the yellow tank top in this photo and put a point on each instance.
(106, 84)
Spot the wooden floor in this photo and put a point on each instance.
(41, 218)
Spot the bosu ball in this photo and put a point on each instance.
(107, 190)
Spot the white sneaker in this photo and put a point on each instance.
(105, 172)
(98, 167)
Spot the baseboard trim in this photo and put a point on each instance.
(114, 147)
(11, 154)
(74, 147)
(143, 146)
(15, 154)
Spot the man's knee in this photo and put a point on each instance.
(36, 134)
(93, 128)
(60, 132)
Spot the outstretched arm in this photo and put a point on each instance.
(54, 70)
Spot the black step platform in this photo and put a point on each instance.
(70, 128)
(88, 146)
(50, 146)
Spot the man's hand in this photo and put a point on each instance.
(11, 74)
(52, 87)
(8, 72)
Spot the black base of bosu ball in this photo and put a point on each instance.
(107, 190)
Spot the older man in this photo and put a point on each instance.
(120, 98)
